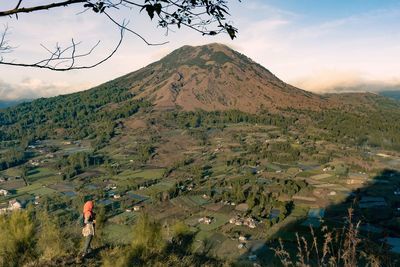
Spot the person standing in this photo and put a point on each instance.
(89, 226)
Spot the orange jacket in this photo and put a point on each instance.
(88, 210)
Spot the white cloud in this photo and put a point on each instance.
(328, 80)
(353, 50)
(333, 81)
(34, 88)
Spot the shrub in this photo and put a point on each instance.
(16, 239)
(340, 247)
(51, 243)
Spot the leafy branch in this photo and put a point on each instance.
(207, 17)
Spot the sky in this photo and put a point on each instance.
(317, 45)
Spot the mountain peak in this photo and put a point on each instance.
(216, 77)
(200, 56)
(213, 46)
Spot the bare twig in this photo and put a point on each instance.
(124, 27)
(197, 15)
(5, 47)
(57, 57)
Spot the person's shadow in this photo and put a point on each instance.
(375, 214)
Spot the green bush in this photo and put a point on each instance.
(16, 239)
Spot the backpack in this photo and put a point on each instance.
(81, 220)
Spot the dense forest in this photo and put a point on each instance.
(91, 114)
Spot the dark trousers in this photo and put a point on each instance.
(88, 240)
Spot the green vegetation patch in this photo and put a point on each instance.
(218, 220)
(145, 174)
(157, 188)
(118, 234)
(44, 191)
(29, 188)
(273, 167)
(40, 173)
(184, 201)
(11, 172)
(198, 200)
(124, 218)
(321, 176)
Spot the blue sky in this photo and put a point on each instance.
(314, 44)
(323, 10)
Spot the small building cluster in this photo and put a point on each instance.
(34, 162)
(12, 205)
(4, 192)
(249, 222)
(206, 220)
(228, 203)
(327, 169)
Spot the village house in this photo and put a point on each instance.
(242, 238)
(241, 245)
(190, 187)
(205, 220)
(355, 181)
(4, 192)
(3, 207)
(238, 222)
(249, 222)
(205, 196)
(34, 162)
(110, 187)
(328, 168)
(14, 205)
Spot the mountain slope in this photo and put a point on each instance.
(215, 77)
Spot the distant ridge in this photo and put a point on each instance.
(10, 103)
(391, 94)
